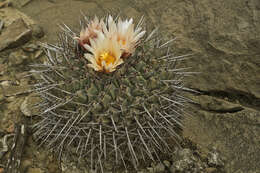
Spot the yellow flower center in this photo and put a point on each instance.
(107, 57)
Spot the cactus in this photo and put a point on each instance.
(126, 116)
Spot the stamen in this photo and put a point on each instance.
(107, 57)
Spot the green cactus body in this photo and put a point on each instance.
(129, 115)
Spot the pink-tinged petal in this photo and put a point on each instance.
(92, 44)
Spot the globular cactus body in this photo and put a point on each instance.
(129, 115)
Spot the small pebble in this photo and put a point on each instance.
(25, 2)
(10, 129)
(34, 170)
(37, 31)
(159, 168)
(10, 99)
(38, 54)
(214, 159)
(150, 169)
(210, 170)
(6, 3)
(3, 69)
(167, 163)
(1, 25)
(30, 48)
(6, 83)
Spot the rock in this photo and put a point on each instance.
(52, 1)
(34, 170)
(26, 164)
(215, 104)
(2, 97)
(27, 107)
(10, 99)
(167, 163)
(9, 15)
(14, 90)
(184, 161)
(132, 12)
(38, 54)
(17, 58)
(6, 3)
(1, 25)
(150, 169)
(7, 125)
(15, 35)
(141, 171)
(21, 3)
(49, 23)
(235, 136)
(10, 128)
(53, 167)
(159, 168)
(68, 167)
(30, 48)
(11, 112)
(226, 55)
(214, 159)
(3, 69)
(211, 170)
(37, 31)
(6, 83)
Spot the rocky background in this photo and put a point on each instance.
(222, 133)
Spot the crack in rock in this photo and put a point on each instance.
(233, 96)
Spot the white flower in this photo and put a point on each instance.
(105, 53)
(90, 32)
(125, 33)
